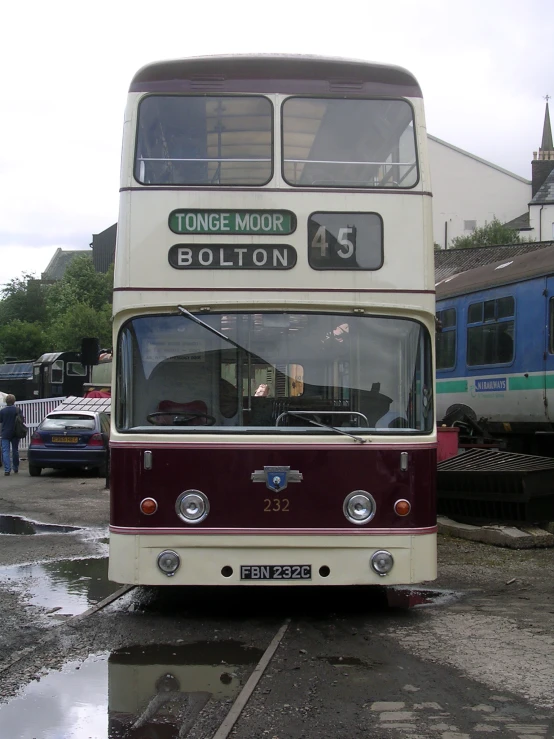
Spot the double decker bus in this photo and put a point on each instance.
(272, 410)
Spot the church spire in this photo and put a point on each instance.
(543, 159)
(546, 144)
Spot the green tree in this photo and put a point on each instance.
(81, 284)
(488, 235)
(23, 299)
(78, 321)
(23, 340)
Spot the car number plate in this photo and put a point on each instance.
(65, 439)
(276, 572)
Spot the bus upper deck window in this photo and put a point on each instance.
(349, 143)
(204, 140)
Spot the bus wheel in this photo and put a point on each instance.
(34, 471)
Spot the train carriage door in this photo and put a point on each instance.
(41, 379)
(548, 355)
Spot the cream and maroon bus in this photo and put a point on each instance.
(273, 394)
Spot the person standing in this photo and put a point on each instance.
(9, 439)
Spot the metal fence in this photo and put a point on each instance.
(34, 411)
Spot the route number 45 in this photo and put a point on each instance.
(344, 240)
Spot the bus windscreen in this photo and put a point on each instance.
(279, 371)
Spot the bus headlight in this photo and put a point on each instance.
(359, 507)
(168, 562)
(382, 562)
(192, 506)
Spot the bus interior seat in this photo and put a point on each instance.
(173, 408)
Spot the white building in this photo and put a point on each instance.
(469, 192)
(541, 210)
(541, 207)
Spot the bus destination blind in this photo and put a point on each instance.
(249, 222)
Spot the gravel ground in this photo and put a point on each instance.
(347, 667)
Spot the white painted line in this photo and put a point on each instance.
(244, 695)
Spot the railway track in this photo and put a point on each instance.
(226, 726)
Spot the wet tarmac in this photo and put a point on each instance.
(154, 691)
(65, 587)
(17, 525)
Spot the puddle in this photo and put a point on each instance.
(412, 597)
(25, 527)
(154, 691)
(67, 587)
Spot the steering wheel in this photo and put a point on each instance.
(210, 420)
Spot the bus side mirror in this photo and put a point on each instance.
(90, 349)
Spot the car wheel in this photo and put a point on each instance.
(34, 471)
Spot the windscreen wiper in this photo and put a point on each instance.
(200, 322)
(325, 426)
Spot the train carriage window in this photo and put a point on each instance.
(57, 371)
(505, 307)
(447, 317)
(475, 313)
(490, 340)
(488, 311)
(75, 369)
(446, 339)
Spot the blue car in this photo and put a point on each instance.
(69, 440)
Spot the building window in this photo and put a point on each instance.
(490, 332)
(446, 338)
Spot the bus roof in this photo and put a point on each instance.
(275, 73)
(504, 272)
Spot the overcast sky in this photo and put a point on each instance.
(65, 67)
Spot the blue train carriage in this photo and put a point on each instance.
(495, 350)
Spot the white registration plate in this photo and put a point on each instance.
(276, 572)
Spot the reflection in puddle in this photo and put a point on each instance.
(145, 691)
(24, 527)
(69, 586)
(411, 597)
(71, 703)
(158, 691)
